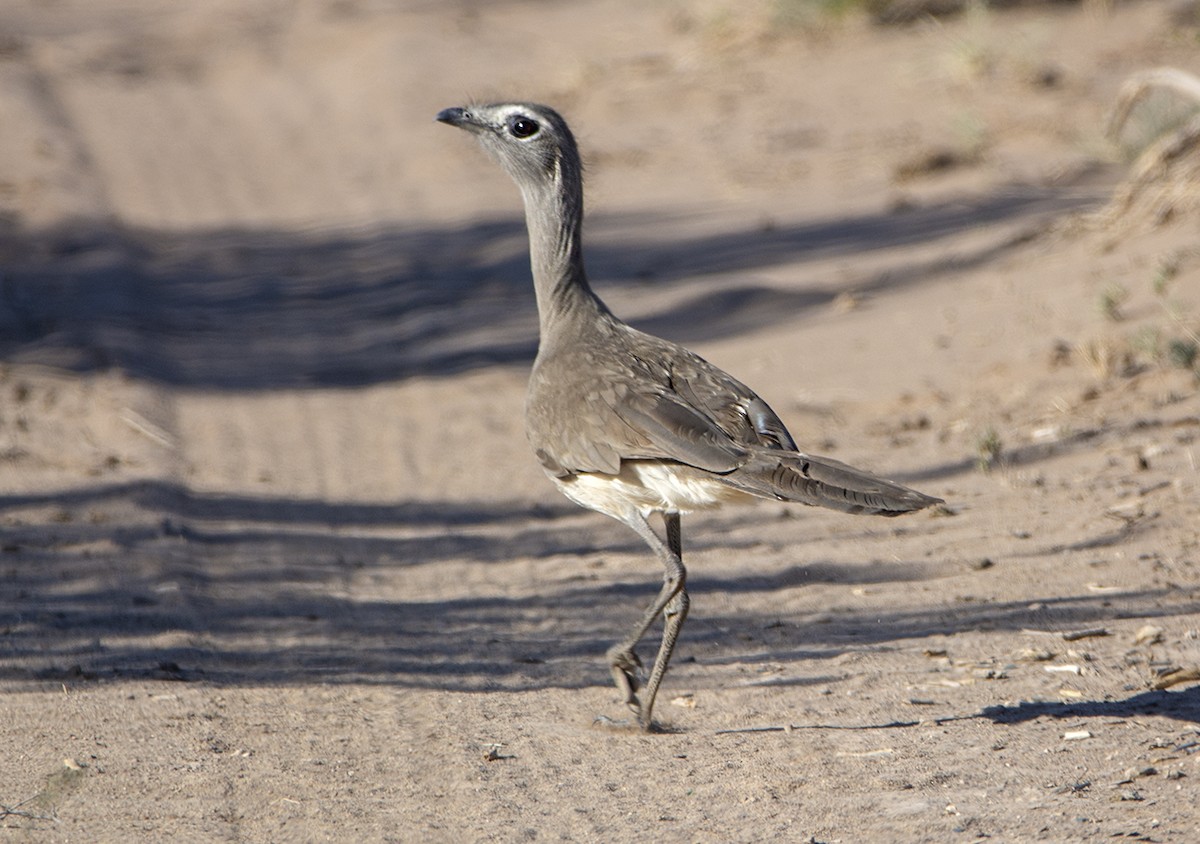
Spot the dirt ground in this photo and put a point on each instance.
(276, 565)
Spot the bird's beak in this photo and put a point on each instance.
(459, 117)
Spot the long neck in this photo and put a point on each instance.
(554, 216)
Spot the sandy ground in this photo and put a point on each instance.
(276, 564)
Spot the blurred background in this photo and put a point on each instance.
(240, 197)
(244, 194)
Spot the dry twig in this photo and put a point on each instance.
(15, 811)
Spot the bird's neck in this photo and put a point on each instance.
(565, 300)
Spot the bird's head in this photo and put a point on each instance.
(532, 142)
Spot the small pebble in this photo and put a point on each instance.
(1148, 634)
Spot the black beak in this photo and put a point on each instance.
(455, 117)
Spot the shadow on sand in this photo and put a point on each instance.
(253, 310)
(245, 591)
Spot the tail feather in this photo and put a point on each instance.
(824, 482)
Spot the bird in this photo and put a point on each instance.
(629, 424)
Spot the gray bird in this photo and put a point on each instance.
(629, 424)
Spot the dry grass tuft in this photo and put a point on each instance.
(1164, 180)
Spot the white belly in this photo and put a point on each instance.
(649, 487)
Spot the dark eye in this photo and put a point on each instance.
(523, 127)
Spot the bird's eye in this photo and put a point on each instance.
(523, 127)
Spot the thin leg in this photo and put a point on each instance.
(672, 602)
(674, 614)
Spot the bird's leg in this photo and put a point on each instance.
(672, 601)
(674, 614)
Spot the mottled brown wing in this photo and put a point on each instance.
(614, 420)
(737, 409)
(672, 430)
(654, 400)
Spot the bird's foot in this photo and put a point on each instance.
(616, 725)
(626, 673)
(628, 725)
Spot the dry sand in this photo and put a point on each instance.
(276, 564)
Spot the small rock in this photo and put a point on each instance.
(1046, 76)
(1148, 634)
(1133, 773)
(1062, 669)
(1035, 655)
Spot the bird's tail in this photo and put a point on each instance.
(823, 482)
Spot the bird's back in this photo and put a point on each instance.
(643, 398)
